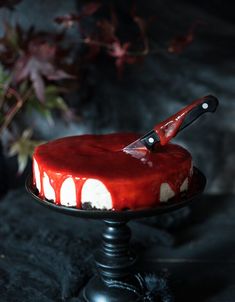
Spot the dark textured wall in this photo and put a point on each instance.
(163, 84)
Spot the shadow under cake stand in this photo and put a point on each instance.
(117, 280)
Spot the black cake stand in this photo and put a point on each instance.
(117, 280)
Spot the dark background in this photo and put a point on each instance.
(46, 257)
(149, 92)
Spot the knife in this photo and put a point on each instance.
(163, 132)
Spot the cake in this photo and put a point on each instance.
(92, 171)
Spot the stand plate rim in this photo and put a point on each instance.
(196, 188)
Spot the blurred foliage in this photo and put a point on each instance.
(23, 147)
(36, 68)
(32, 69)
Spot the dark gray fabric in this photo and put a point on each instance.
(46, 256)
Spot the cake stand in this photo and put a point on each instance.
(117, 280)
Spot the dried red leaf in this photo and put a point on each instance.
(142, 25)
(120, 53)
(69, 20)
(105, 36)
(107, 31)
(38, 63)
(38, 84)
(114, 18)
(90, 8)
(118, 50)
(32, 57)
(178, 44)
(94, 48)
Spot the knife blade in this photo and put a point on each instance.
(163, 132)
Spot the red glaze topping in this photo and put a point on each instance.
(133, 183)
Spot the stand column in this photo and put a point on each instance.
(116, 281)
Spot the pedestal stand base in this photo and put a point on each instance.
(117, 281)
(98, 291)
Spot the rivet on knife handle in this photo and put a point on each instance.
(150, 139)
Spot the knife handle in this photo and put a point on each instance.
(208, 104)
(169, 128)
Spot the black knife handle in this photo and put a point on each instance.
(209, 104)
(150, 139)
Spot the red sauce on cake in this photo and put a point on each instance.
(132, 183)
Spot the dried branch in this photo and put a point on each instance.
(20, 101)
